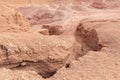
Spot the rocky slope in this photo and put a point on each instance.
(59, 40)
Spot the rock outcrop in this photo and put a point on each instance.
(87, 37)
(107, 32)
(95, 65)
(28, 51)
(62, 40)
(92, 66)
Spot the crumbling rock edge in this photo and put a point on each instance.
(42, 55)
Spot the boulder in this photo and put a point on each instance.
(107, 32)
(87, 37)
(54, 29)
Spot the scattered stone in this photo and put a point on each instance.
(54, 29)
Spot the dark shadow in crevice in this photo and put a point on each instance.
(48, 74)
(67, 66)
(39, 67)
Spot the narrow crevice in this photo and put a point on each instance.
(67, 66)
(48, 74)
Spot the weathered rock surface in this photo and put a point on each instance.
(95, 65)
(28, 51)
(92, 66)
(11, 20)
(107, 31)
(84, 44)
(7, 74)
(54, 29)
(87, 37)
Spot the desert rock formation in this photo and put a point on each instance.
(59, 40)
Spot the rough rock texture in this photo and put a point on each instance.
(93, 66)
(87, 37)
(80, 40)
(108, 32)
(54, 29)
(11, 20)
(28, 51)
(104, 64)
(7, 74)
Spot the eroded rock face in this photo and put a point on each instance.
(92, 66)
(107, 31)
(99, 5)
(88, 38)
(92, 42)
(28, 51)
(95, 65)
